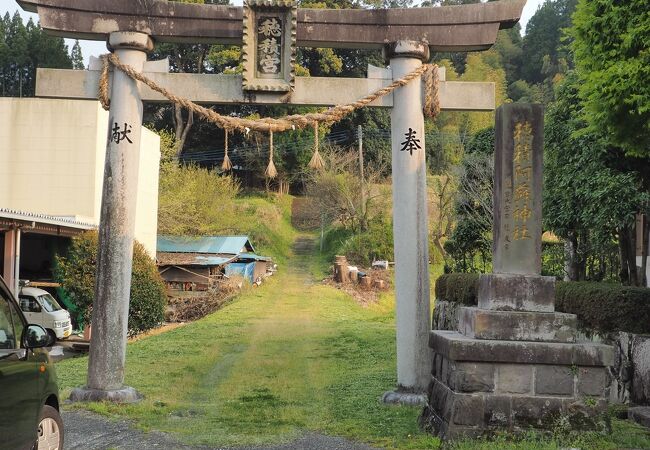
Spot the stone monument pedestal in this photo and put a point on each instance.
(514, 364)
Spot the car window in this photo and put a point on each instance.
(49, 303)
(7, 334)
(29, 304)
(18, 323)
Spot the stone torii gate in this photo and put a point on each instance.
(407, 37)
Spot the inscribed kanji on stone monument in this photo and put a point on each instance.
(518, 167)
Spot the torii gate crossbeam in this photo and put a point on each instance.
(449, 28)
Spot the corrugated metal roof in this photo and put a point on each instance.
(192, 259)
(253, 256)
(13, 214)
(232, 245)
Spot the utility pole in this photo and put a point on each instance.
(363, 187)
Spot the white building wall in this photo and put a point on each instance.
(52, 162)
(146, 219)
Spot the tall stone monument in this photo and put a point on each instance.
(514, 362)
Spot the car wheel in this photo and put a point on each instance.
(52, 336)
(50, 430)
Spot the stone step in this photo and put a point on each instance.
(479, 386)
(508, 292)
(456, 415)
(517, 325)
(456, 346)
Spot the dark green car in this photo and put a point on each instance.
(29, 396)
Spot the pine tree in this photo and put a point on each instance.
(77, 57)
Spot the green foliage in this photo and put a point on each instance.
(148, 293)
(600, 307)
(458, 288)
(76, 273)
(521, 91)
(605, 308)
(482, 142)
(470, 245)
(553, 259)
(76, 57)
(543, 39)
(225, 59)
(195, 201)
(484, 66)
(23, 48)
(266, 219)
(586, 201)
(375, 243)
(611, 52)
(357, 213)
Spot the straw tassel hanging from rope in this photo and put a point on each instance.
(226, 165)
(316, 161)
(271, 171)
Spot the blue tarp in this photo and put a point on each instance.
(245, 270)
(231, 245)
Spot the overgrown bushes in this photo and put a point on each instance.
(76, 273)
(605, 307)
(600, 307)
(196, 201)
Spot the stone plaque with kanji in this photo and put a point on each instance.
(269, 48)
(518, 163)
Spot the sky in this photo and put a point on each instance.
(97, 48)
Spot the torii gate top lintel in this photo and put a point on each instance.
(448, 28)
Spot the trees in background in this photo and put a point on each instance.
(611, 41)
(23, 48)
(356, 212)
(610, 44)
(597, 133)
(469, 246)
(588, 201)
(76, 56)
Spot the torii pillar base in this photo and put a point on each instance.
(124, 395)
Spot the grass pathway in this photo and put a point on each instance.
(289, 357)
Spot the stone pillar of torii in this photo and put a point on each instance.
(407, 37)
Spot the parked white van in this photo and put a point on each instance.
(41, 308)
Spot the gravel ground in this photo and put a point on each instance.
(89, 431)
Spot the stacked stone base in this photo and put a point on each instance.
(515, 370)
